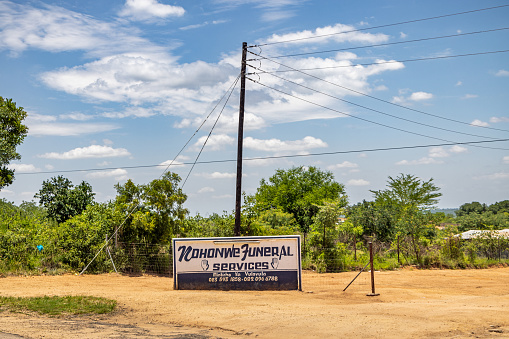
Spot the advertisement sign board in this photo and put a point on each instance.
(240, 263)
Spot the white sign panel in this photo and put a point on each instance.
(240, 263)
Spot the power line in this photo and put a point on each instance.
(276, 157)
(211, 130)
(356, 117)
(386, 44)
(384, 62)
(382, 100)
(377, 111)
(137, 204)
(381, 26)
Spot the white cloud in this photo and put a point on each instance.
(179, 161)
(76, 116)
(422, 161)
(358, 182)
(344, 164)
(505, 160)
(458, 149)
(420, 96)
(480, 123)
(93, 151)
(502, 73)
(206, 190)
(206, 23)
(336, 33)
(137, 112)
(402, 35)
(23, 168)
(118, 174)
(415, 96)
(459, 83)
(129, 69)
(438, 152)
(469, 96)
(153, 80)
(147, 10)
(34, 117)
(63, 129)
(55, 29)
(499, 119)
(215, 142)
(271, 9)
(276, 145)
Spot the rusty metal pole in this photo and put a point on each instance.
(372, 294)
(240, 140)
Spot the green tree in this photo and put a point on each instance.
(298, 191)
(326, 250)
(62, 200)
(376, 220)
(12, 134)
(407, 191)
(473, 207)
(154, 211)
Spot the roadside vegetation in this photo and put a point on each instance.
(66, 228)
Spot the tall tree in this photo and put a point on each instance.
(62, 200)
(154, 210)
(298, 191)
(409, 191)
(12, 133)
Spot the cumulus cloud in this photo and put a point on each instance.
(128, 69)
(422, 161)
(433, 154)
(502, 73)
(76, 116)
(71, 129)
(23, 168)
(148, 10)
(420, 96)
(179, 161)
(344, 164)
(357, 182)
(337, 33)
(495, 120)
(215, 142)
(276, 145)
(272, 10)
(479, 123)
(55, 29)
(206, 190)
(117, 174)
(414, 97)
(93, 151)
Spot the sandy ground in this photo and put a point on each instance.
(412, 304)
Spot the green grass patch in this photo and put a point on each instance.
(68, 305)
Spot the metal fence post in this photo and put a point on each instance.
(372, 294)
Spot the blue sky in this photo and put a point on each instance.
(113, 85)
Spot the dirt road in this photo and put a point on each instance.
(412, 304)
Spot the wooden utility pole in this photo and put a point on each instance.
(238, 199)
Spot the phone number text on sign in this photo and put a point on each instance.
(247, 263)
